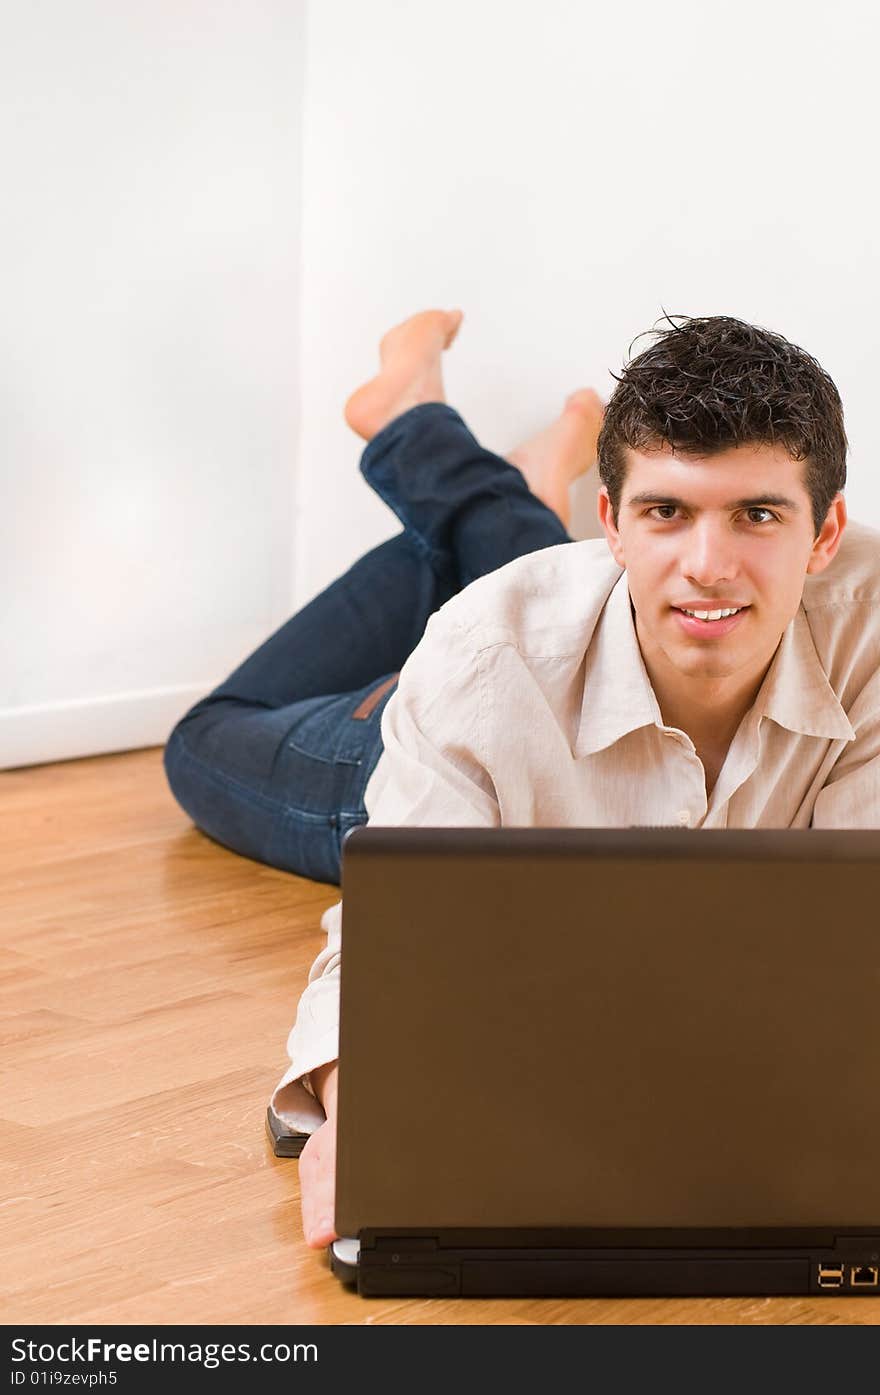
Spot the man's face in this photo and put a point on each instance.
(730, 530)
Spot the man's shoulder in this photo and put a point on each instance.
(552, 597)
(853, 577)
(842, 606)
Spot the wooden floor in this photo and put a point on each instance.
(148, 979)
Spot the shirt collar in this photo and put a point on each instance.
(615, 674)
(795, 693)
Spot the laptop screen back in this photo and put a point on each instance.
(600, 1028)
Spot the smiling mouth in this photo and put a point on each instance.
(711, 617)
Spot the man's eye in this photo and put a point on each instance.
(658, 508)
(761, 520)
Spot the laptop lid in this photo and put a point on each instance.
(650, 1029)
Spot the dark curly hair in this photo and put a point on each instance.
(709, 384)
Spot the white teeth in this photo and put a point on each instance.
(712, 614)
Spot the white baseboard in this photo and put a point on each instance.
(93, 726)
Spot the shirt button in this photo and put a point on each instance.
(684, 817)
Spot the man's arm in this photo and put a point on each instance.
(432, 773)
(850, 797)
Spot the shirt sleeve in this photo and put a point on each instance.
(850, 797)
(432, 773)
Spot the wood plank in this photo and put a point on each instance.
(148, 979)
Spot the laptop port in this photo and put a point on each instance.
(830, 1275)
(864, 1275)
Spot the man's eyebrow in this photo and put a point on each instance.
(776, 501)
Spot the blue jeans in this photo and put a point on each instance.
(275, 761)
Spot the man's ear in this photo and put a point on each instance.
(604, 513)
(828, 541)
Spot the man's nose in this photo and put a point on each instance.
(710, 555)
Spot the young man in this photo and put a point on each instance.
(715, 663)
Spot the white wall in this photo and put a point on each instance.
(565, 172)
(149, 374)
(171, 356)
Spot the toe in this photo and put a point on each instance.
(453, 321)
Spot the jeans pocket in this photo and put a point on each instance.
(318, 762)
(320, 776)
(324, 731)
(343, 734)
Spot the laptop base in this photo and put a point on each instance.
(425, 1266)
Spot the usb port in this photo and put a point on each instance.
(831, 1276)
(864, 1275)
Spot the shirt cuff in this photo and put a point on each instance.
(294, 1100)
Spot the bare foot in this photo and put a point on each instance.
(553, 459)
(410, 374)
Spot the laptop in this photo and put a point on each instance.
(602, 1062)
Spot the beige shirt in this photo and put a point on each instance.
(527, 702)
